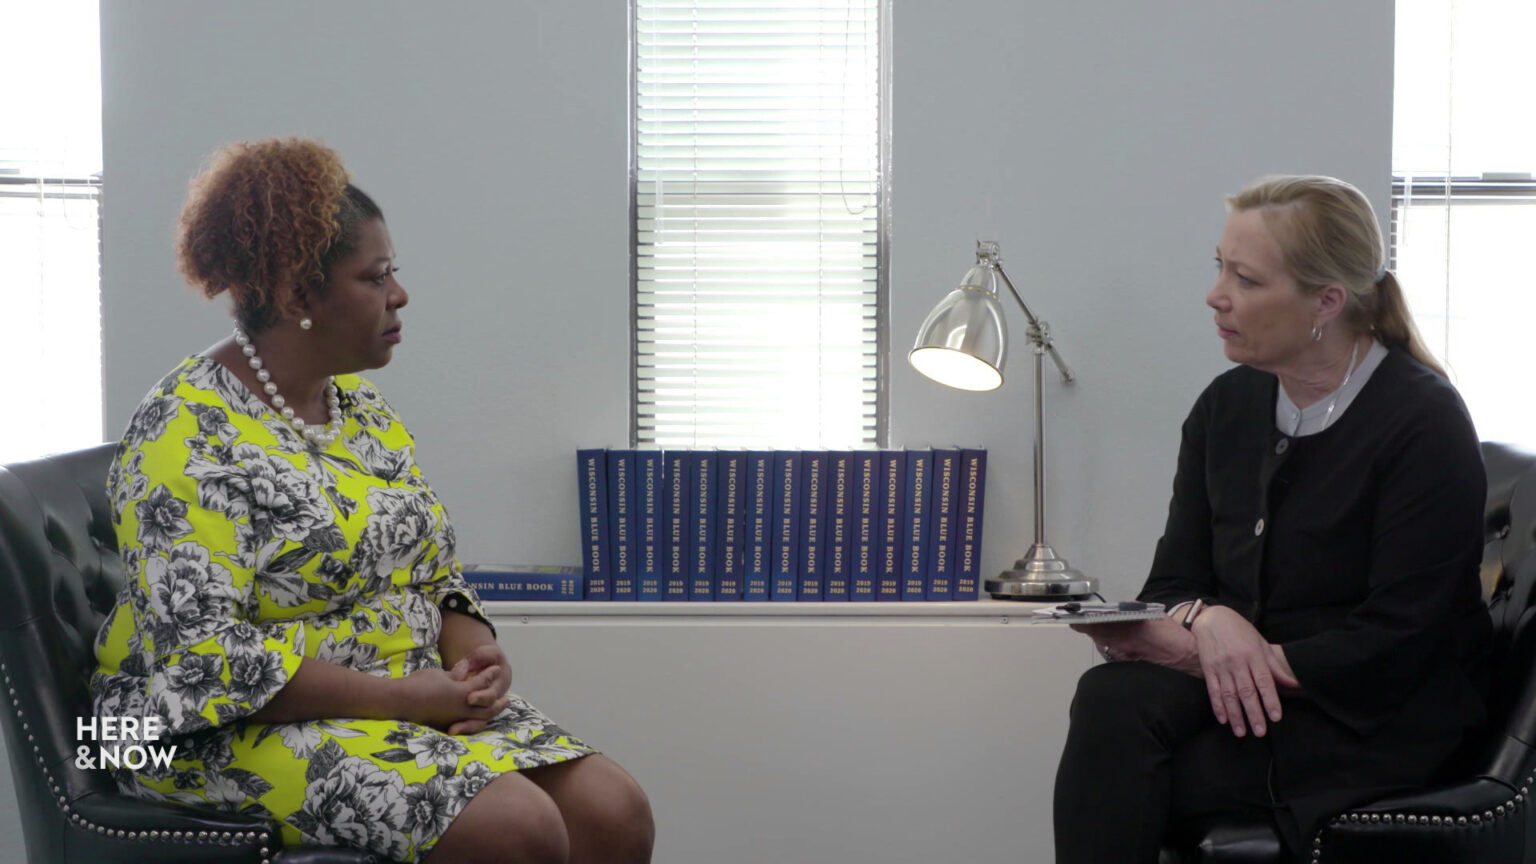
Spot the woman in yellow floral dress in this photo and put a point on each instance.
(294, 613)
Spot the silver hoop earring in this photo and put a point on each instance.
(305, 324)
(1317, 333)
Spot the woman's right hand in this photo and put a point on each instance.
(1241, 671)
(433, 698)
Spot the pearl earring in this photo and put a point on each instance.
(305, 323)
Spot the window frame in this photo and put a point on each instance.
(881, 377)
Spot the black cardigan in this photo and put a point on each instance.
(1357, 550)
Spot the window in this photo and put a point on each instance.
(1464, 200)
(759, 203)
(50, 192)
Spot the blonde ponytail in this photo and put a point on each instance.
(1393, 324)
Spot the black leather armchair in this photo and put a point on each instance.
(59, 576)
(1483, 812)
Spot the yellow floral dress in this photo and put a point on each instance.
(246, 551)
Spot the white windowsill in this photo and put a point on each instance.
(980, 612)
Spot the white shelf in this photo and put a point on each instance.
(981, 612)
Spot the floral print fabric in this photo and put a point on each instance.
(246, 552)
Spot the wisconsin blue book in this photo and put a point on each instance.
(621, 521)
(786, 527)
(941, 539)
(973, 497)
(732, 474)
(840, 512)
(757, 531)
(813, 514)
(650, 483)
(674, 526)
(702, 502)
(525, 581)
(592, 498)
(915, 526)
(866, 524)
(893, 486)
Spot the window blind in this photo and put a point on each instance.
(50, 189)
(759, 229)
(1464, 197)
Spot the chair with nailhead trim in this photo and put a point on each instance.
(1484, 816)
(59, 576)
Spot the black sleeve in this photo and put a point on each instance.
(1182, 568)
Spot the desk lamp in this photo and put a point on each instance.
(963, 343)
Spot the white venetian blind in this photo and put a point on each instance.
(758, 232)
(1464, 198)
(50, 185)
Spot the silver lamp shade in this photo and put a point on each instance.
(963, 342)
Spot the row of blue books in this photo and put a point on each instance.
(766, 525)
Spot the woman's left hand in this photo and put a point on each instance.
(487, 655)
(1162, 641)
(1241, 671)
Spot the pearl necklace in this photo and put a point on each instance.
(318, 437)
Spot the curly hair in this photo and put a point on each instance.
(265, 221)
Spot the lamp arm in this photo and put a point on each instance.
(1039, 333)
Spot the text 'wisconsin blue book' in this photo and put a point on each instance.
(525, 581)
(592, 497)
(866, 525)
(674, 582)
(650, 477)
(702, 499)
(757, 534)
(731, 477)
(786, 524)
(813, 514)
(622, 521)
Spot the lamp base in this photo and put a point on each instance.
(1041, 575)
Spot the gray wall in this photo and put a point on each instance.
(1093, 140)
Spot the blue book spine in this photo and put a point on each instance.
(941, 539)
(893, 486)
(915, 526)
(973, 498)
(592, 492)
(786, 524)
(702, 500)
(813, 515)
(840, 501)
(518, 582)
(732, 481)
(674, 569)
(757, 536)
(621, 521)
(866, 525)
(650, 488)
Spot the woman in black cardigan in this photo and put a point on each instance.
(1319, 561)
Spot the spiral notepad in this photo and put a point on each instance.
(1100, 613)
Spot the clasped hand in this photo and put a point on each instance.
(1242, 670)
(463, 699)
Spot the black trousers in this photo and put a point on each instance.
(1144, 754)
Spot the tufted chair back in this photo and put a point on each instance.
(59, 577)
(1482, 810)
